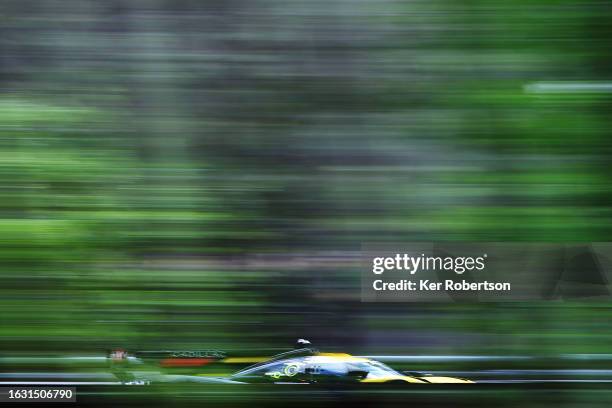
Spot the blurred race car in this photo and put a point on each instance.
(305, 365)
(312, 367)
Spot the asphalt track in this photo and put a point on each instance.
(502, 395)
(515, 392)
(590, 386)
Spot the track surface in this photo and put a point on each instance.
(543, 394)
(534, 393)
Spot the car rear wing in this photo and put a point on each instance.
(167, 358)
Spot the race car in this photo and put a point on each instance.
(304, 365)
(308, 366)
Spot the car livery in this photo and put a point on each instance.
(300, 366)
(315, 367)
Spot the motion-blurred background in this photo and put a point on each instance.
(201, 173)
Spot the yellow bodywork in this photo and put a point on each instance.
(446, 380)
(417, 380)
(402, 378)
(382, 380)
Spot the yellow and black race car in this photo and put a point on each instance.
(304, 365)
(310, 366)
